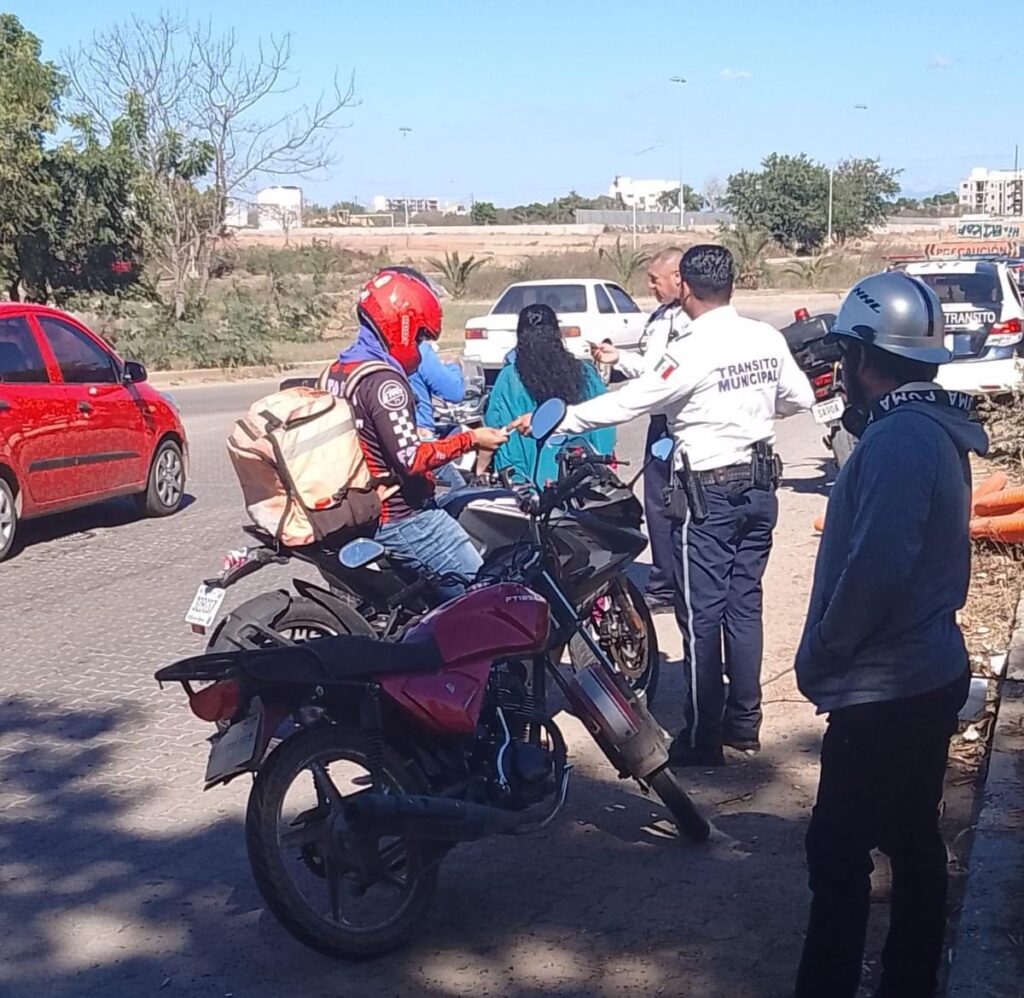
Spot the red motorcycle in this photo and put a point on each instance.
(372, 759)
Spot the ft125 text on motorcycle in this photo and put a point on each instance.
(409, 703)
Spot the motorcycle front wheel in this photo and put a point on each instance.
(625, 629)
(339, 897)
(684, 812)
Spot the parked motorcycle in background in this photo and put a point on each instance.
(819, 360)
(382, 756)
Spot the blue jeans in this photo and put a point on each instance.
(434, 539)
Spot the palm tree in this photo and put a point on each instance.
(748, 246)
(812, 270)
(627, 263)
(457, 272)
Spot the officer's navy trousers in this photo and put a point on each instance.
(719, 564)
(660, 583)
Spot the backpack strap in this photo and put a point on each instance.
(363, 370)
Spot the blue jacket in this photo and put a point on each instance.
(894, 563)
(434, 377)
(509, 399)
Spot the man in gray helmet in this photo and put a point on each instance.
(881, 652)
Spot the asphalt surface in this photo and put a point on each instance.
(120, 877)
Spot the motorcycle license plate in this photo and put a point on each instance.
(234, 750)
(828, 411)
(205, 607)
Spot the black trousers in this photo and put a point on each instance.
(882, 771)
(659, 526)
(719, 565)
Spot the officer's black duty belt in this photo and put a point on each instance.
(734, 474)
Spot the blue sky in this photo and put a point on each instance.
(513, 102)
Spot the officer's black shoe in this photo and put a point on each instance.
(748, 746)
(659, 603)
(681, 754)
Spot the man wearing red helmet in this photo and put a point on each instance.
(397, 311)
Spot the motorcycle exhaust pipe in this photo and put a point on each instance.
(438, 819)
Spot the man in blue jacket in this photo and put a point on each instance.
(434, 377)
(881, 651)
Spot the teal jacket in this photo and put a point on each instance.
(510, 399)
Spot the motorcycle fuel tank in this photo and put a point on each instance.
(471, 632)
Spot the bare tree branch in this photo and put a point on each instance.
(195, 90)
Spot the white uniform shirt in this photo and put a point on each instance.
(665, 323)
(720, 384)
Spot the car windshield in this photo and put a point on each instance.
(561, 297)
(980, 288)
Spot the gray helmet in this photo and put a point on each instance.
(896, 313)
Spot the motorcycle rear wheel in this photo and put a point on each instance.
(325, 861)
(684, 812)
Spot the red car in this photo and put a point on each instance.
(78, 424)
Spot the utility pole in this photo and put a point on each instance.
(682, 200)
(405, 175)
(831, 188)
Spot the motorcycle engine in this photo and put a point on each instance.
(519, 772)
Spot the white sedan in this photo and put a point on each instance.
(588, 310)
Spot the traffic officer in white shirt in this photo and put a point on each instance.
(665, 324)
(720, 384)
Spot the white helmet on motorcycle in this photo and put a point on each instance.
(895, 313)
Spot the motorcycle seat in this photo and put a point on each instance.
(325, 661)
(454, 502)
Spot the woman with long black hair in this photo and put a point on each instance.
(540, 368)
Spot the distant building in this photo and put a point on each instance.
(642, 193)
(993, 192)
(382, 202)
(279, 208)
(237, 214)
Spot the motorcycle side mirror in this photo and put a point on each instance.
(359, 553)
(662, 449)
(547, 417)
(558, 439)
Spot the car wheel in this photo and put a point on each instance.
(8, 519)
(166, 486)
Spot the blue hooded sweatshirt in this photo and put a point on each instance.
(894, 563)
(367, 346)
(434, 377)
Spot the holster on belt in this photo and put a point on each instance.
(684, 498)
(766, 467)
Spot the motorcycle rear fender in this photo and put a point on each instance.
(351, 618)
(260, 609)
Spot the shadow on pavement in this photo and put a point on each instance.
(99, 901)
(81, 524)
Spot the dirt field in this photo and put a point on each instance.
(506, 246)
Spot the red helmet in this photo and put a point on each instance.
(402, 311)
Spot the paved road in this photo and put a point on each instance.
(119, 877)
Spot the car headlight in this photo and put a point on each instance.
(171, 401)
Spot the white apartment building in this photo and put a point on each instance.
(993, 192)
(643, 193)
(416, 205)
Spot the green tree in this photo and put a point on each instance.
(484, 213)
(669, 200)
(29, 92)
(863, 193)
(90, 233)
(787, 198)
